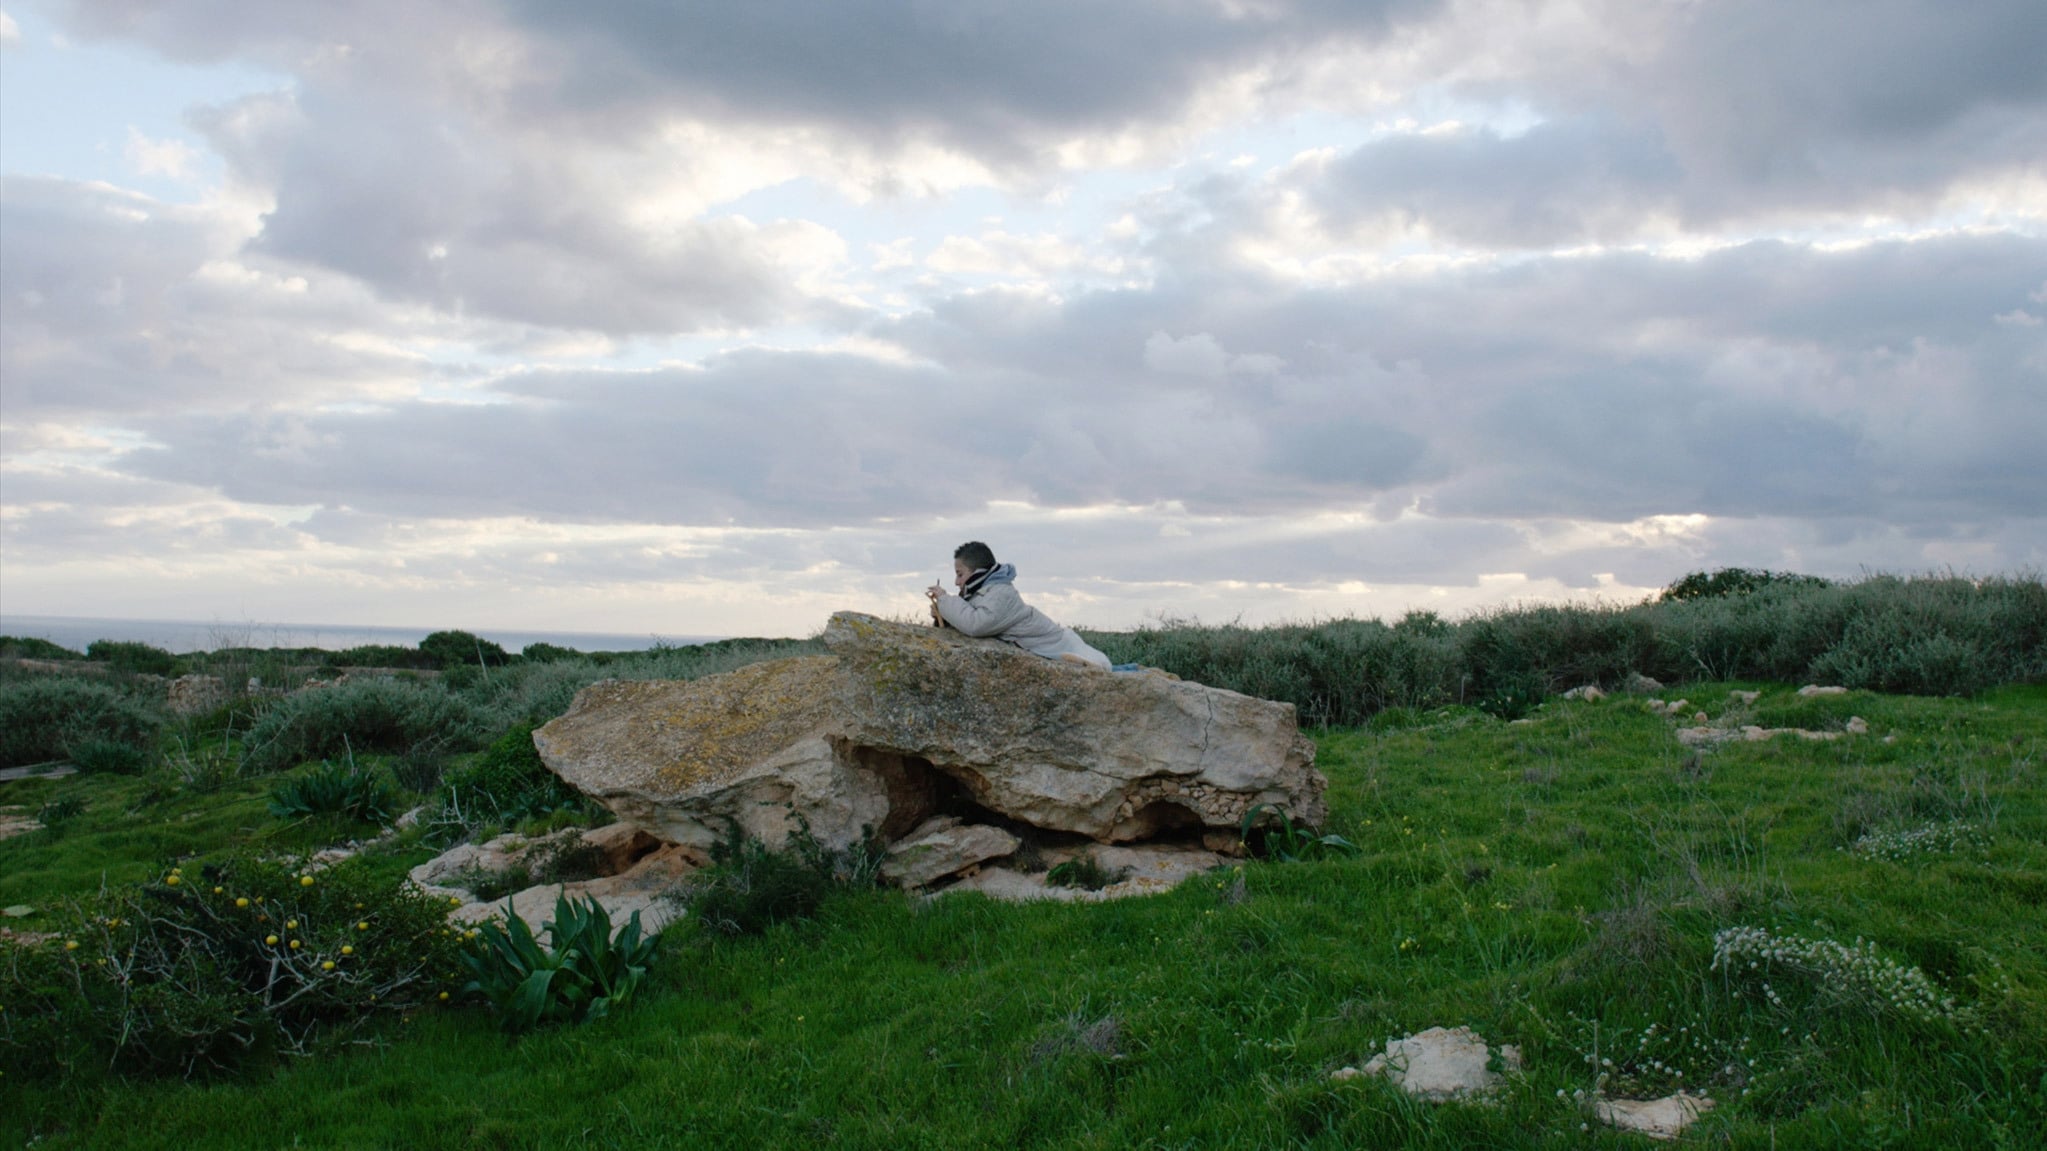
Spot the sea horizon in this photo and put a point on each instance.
(183, 636)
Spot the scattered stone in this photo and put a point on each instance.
(38, 771)
(1589, 693)
(1744, 697)
(941, 847)
(1699, 717)
(1441, 1064)
(191, 694)
(1639, 684)
(1146, 868)
(1812, 689)
(15, 821)
(18, 911)
(449, 873)
(1857, 725)
(1345, 1074)
(410, 819)
(9, 935)
(1664, 1118)
(645, 889)
(621, 845)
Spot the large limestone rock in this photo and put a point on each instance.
(901, 723)
(1057, 745)
(753, 748)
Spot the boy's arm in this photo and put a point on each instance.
(992, 613)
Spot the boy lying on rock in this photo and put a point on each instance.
(989, 606)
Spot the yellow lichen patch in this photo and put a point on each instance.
(712, 728)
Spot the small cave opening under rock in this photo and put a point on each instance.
(919, 789)
(1161, 819)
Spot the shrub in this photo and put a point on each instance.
(583, 975)
(376, 715)
(99, 755)
(452, 649)
(509, 782)
(1085, 872)
(59, 811)
(1735, 581)
(192, 974)
(748, 888)
(333, 789)
(383, 655)
(548, 653)
(45, 717)
(1931, 635)
(30, 647)
(137, 658)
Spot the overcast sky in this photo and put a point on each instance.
(713, 318)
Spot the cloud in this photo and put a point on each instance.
(10, 32)
(501, 306)
(170, 158)
(118, 305)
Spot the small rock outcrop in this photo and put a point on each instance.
(942, 846)
(1439, 1065)
(900, 724)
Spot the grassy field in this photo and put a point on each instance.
(1556, 884)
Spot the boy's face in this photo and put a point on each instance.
(961, 573)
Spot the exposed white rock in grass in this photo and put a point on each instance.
(1440, 1064)
(1664, 1118)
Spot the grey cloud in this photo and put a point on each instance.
(474, 218)
(991, 79)
(1562, 182)
(109, 309)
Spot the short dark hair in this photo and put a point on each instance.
(974, 554)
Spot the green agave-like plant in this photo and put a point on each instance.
(333, 789)
(582, 976)
(1290, 842)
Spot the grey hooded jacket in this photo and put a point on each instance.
(1000, 612)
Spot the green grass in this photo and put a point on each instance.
(1555, 884)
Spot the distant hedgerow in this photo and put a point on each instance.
(1932, 635)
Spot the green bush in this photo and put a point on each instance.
(1934, 635)
(98, 754)
(452, 649)
(30, 647)
(1735, 581)
(584, 975)
(548, 653)
(508, 782)
(180, 975)
(334, 789)
(137, 658)
(376, 715)
(748, 888)
(46, 717)
(384, 655)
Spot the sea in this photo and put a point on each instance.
(182, 636)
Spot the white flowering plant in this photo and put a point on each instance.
(1855, 973)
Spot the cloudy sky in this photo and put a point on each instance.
(712, 318)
